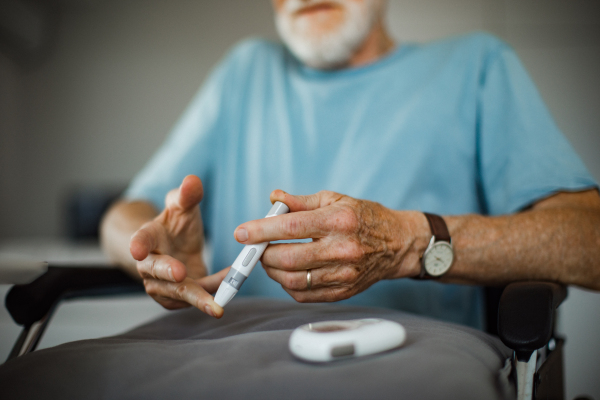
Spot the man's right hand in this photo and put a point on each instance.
(168, 251)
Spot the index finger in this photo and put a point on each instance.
(188, 290)
(297, 225)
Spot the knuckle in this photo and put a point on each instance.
(146, 233)
(348, 275)
(355, 252)
(181, 290)
(350, 251)
(270, 272)
(337, 294)
(345, 220)
(296, 295)
(288, 281)
(299, 297)
(140, 268)
(198, 303)
(287, 260)
(168, 304)
(150, 289)
(146, 228)
(292, 226)
(153, 267)
(349, 220)
(328, 194)
(331, 295)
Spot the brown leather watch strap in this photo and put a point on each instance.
(438, 227)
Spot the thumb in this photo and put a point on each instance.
(305, 203)
(144, 241)
(188, 195)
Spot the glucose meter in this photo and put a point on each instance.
(332, 340)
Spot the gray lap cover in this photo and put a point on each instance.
(244, 355)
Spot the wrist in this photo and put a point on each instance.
(412, 238)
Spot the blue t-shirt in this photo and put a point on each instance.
(451, 127)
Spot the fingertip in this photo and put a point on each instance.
(191, 191)
(277, 195)
(295, 203)
(138, 250)
(213, 309)
(217, 310)
(240, 234)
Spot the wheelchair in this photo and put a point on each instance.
(522, 315)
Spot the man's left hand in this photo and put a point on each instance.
(355, 243)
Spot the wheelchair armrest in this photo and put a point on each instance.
(526, 314)
(29, 303)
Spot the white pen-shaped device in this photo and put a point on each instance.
(244, 263)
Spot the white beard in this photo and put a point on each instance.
(335, 48)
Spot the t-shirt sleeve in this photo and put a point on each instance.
(523, 156)
(189, 148)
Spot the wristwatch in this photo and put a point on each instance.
(439, 255)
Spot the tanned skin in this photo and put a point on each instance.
(355, 244)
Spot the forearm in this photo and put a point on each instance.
(554, 241)
(121, 221)
(357, 243)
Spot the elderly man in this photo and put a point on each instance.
(437, 162)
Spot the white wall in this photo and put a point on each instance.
(123, 71)
(121, 74)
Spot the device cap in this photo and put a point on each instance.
(278, 209)
(225, 294)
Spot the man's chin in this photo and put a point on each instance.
(314, 37)
(323, 40)
(319, 56)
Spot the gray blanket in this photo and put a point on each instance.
(244, 355)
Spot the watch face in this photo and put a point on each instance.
(438, 259)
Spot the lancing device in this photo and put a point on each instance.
(245, 262)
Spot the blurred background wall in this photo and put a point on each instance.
(116, 74)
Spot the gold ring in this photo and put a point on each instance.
(308, 279)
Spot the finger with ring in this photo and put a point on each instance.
(298, 280)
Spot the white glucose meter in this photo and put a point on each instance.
(333, 340)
